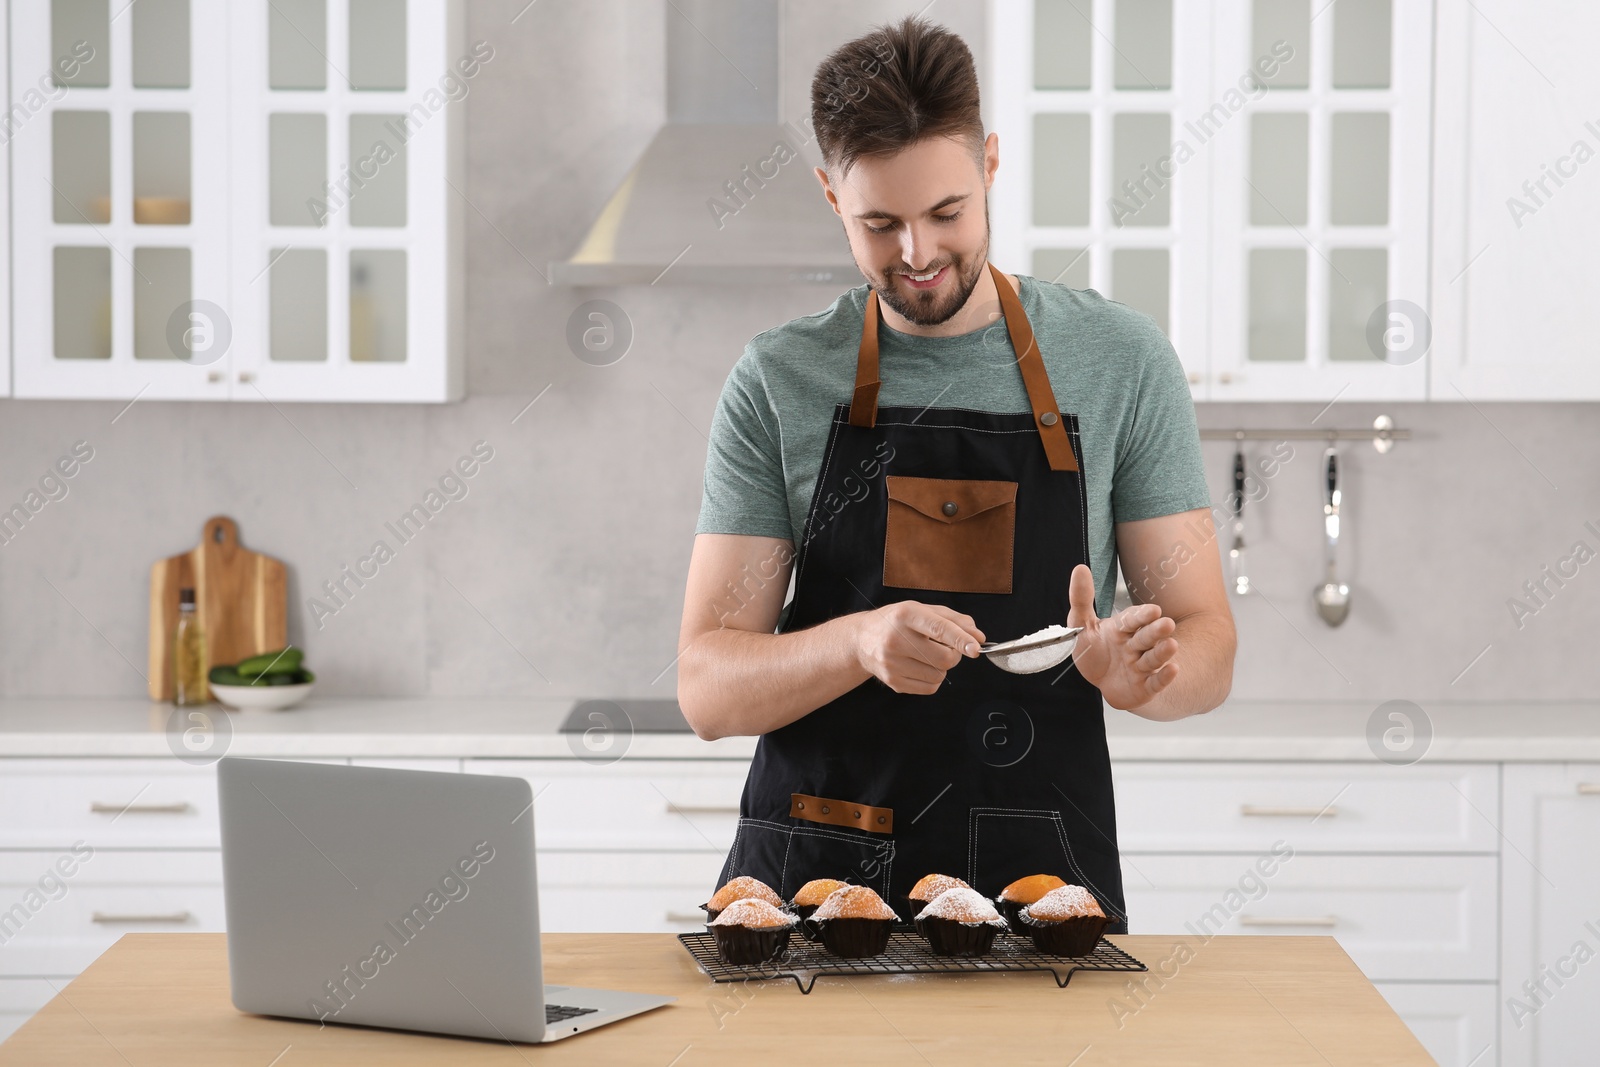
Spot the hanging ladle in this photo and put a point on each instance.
(1332, 596)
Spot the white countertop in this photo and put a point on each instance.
(526, 728)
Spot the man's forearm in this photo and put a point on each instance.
(735, 683)
(1206, 644)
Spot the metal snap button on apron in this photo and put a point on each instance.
(950, 507)
(1048, 418)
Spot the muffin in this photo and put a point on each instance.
(854, 921)
(807, 899)
(1065, 922)
(1024, 891)
(930, 886)
(751, 931)
(741, 888)
(960, 922)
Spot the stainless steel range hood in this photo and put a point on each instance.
(724, 194)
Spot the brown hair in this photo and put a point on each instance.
(895, 86)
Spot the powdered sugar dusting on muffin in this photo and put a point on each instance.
(929, 886)
(961, 904)
(1067, 902)
(753, 913)
(853, 902)
(744, 887)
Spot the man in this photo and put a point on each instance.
(945, 456)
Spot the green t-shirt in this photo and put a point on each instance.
(1109, 364)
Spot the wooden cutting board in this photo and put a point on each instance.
(240, 596)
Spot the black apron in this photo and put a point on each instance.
(996, 775)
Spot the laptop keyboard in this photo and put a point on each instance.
(555, 1013)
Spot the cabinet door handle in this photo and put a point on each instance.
(1225, 378)
(171, 917)
(1288, 920)
(1589, 789)
(1194, 377)
(246, 377)
(177, 807)
(1307, 813)
(686, 916)
(702, 809)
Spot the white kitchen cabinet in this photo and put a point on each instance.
(625, 892)
(1399, 917)
(124, 803)
(245, 201)
(1550, 967)
(1129, 137)
(682, 805)
(1454, 1021)
(1515, 209)
(73, 917)
(1320, 203)
(1315, 807)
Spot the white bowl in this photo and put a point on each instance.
(261, 697)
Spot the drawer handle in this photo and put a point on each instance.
(177, 807)
(1589, 789)
(1302, 813)
(1272, 920)
(686, 916)
(173, 917)
(702, 809)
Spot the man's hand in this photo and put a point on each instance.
(909, 646)
(1129, 656)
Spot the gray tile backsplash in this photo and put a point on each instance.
(560, 571)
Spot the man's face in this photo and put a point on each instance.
(921, 214)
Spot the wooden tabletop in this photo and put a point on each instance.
(162, 999)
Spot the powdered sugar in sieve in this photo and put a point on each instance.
(1039, 651)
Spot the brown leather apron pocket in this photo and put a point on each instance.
(956, 535)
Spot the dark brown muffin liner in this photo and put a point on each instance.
(1077, 936)
(1011, 911)
(750, 944)
(807, 928)
(855, 938)
(947, 937)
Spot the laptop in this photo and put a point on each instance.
(394, 898)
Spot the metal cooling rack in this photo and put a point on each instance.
(908, 953)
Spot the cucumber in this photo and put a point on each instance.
(282, 661)
(226, 676)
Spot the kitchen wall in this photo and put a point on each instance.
(560, 571)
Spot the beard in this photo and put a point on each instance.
(932, 307)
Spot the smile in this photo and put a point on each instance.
(926, 281)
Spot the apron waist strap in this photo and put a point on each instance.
(841, 813)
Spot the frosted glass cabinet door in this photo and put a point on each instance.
(119, 199)
(243, 200)
(1103, 190)
(1320, 204)
(346, 268)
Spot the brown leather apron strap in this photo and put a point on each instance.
(841, 813)
(1035, 378)
(1052, 428)
(864, 404)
